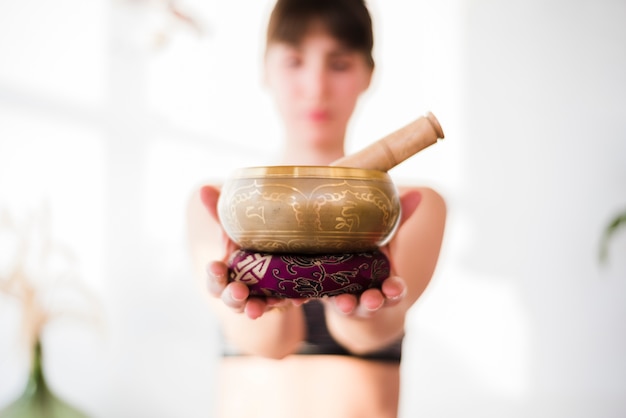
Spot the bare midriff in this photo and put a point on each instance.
(307, 386)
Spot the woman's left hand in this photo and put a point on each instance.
(392, 290)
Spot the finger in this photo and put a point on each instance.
(370, 301)
(255, 307)
(299, 301)
(210, 196)
(345, 304)
(394, 290)
(274, 302)
(409, 202)
(235, 296)
(217, 278)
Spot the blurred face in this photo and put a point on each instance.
(316, 85)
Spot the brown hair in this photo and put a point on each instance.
(349, 21)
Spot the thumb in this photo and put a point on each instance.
(409, 202)
(209, 196)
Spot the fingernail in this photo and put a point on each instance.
(237, 298)
(211, 270)
(398, 296)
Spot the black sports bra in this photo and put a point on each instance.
(319, 341)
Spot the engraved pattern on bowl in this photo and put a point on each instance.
(289, 209)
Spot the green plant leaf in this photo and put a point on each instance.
(617, 222)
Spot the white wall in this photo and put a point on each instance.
(113, 133)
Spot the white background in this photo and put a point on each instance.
(111, 112)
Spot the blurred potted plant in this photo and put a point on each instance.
(33, 270)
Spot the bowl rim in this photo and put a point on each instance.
(310, 171)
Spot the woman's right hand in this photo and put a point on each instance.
(235, 295)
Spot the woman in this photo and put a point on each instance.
(318, 62)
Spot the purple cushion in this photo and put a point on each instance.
(308, 276)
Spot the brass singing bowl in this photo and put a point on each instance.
(309, 209)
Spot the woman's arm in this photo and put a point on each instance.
(377, 318)
(252, 325)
